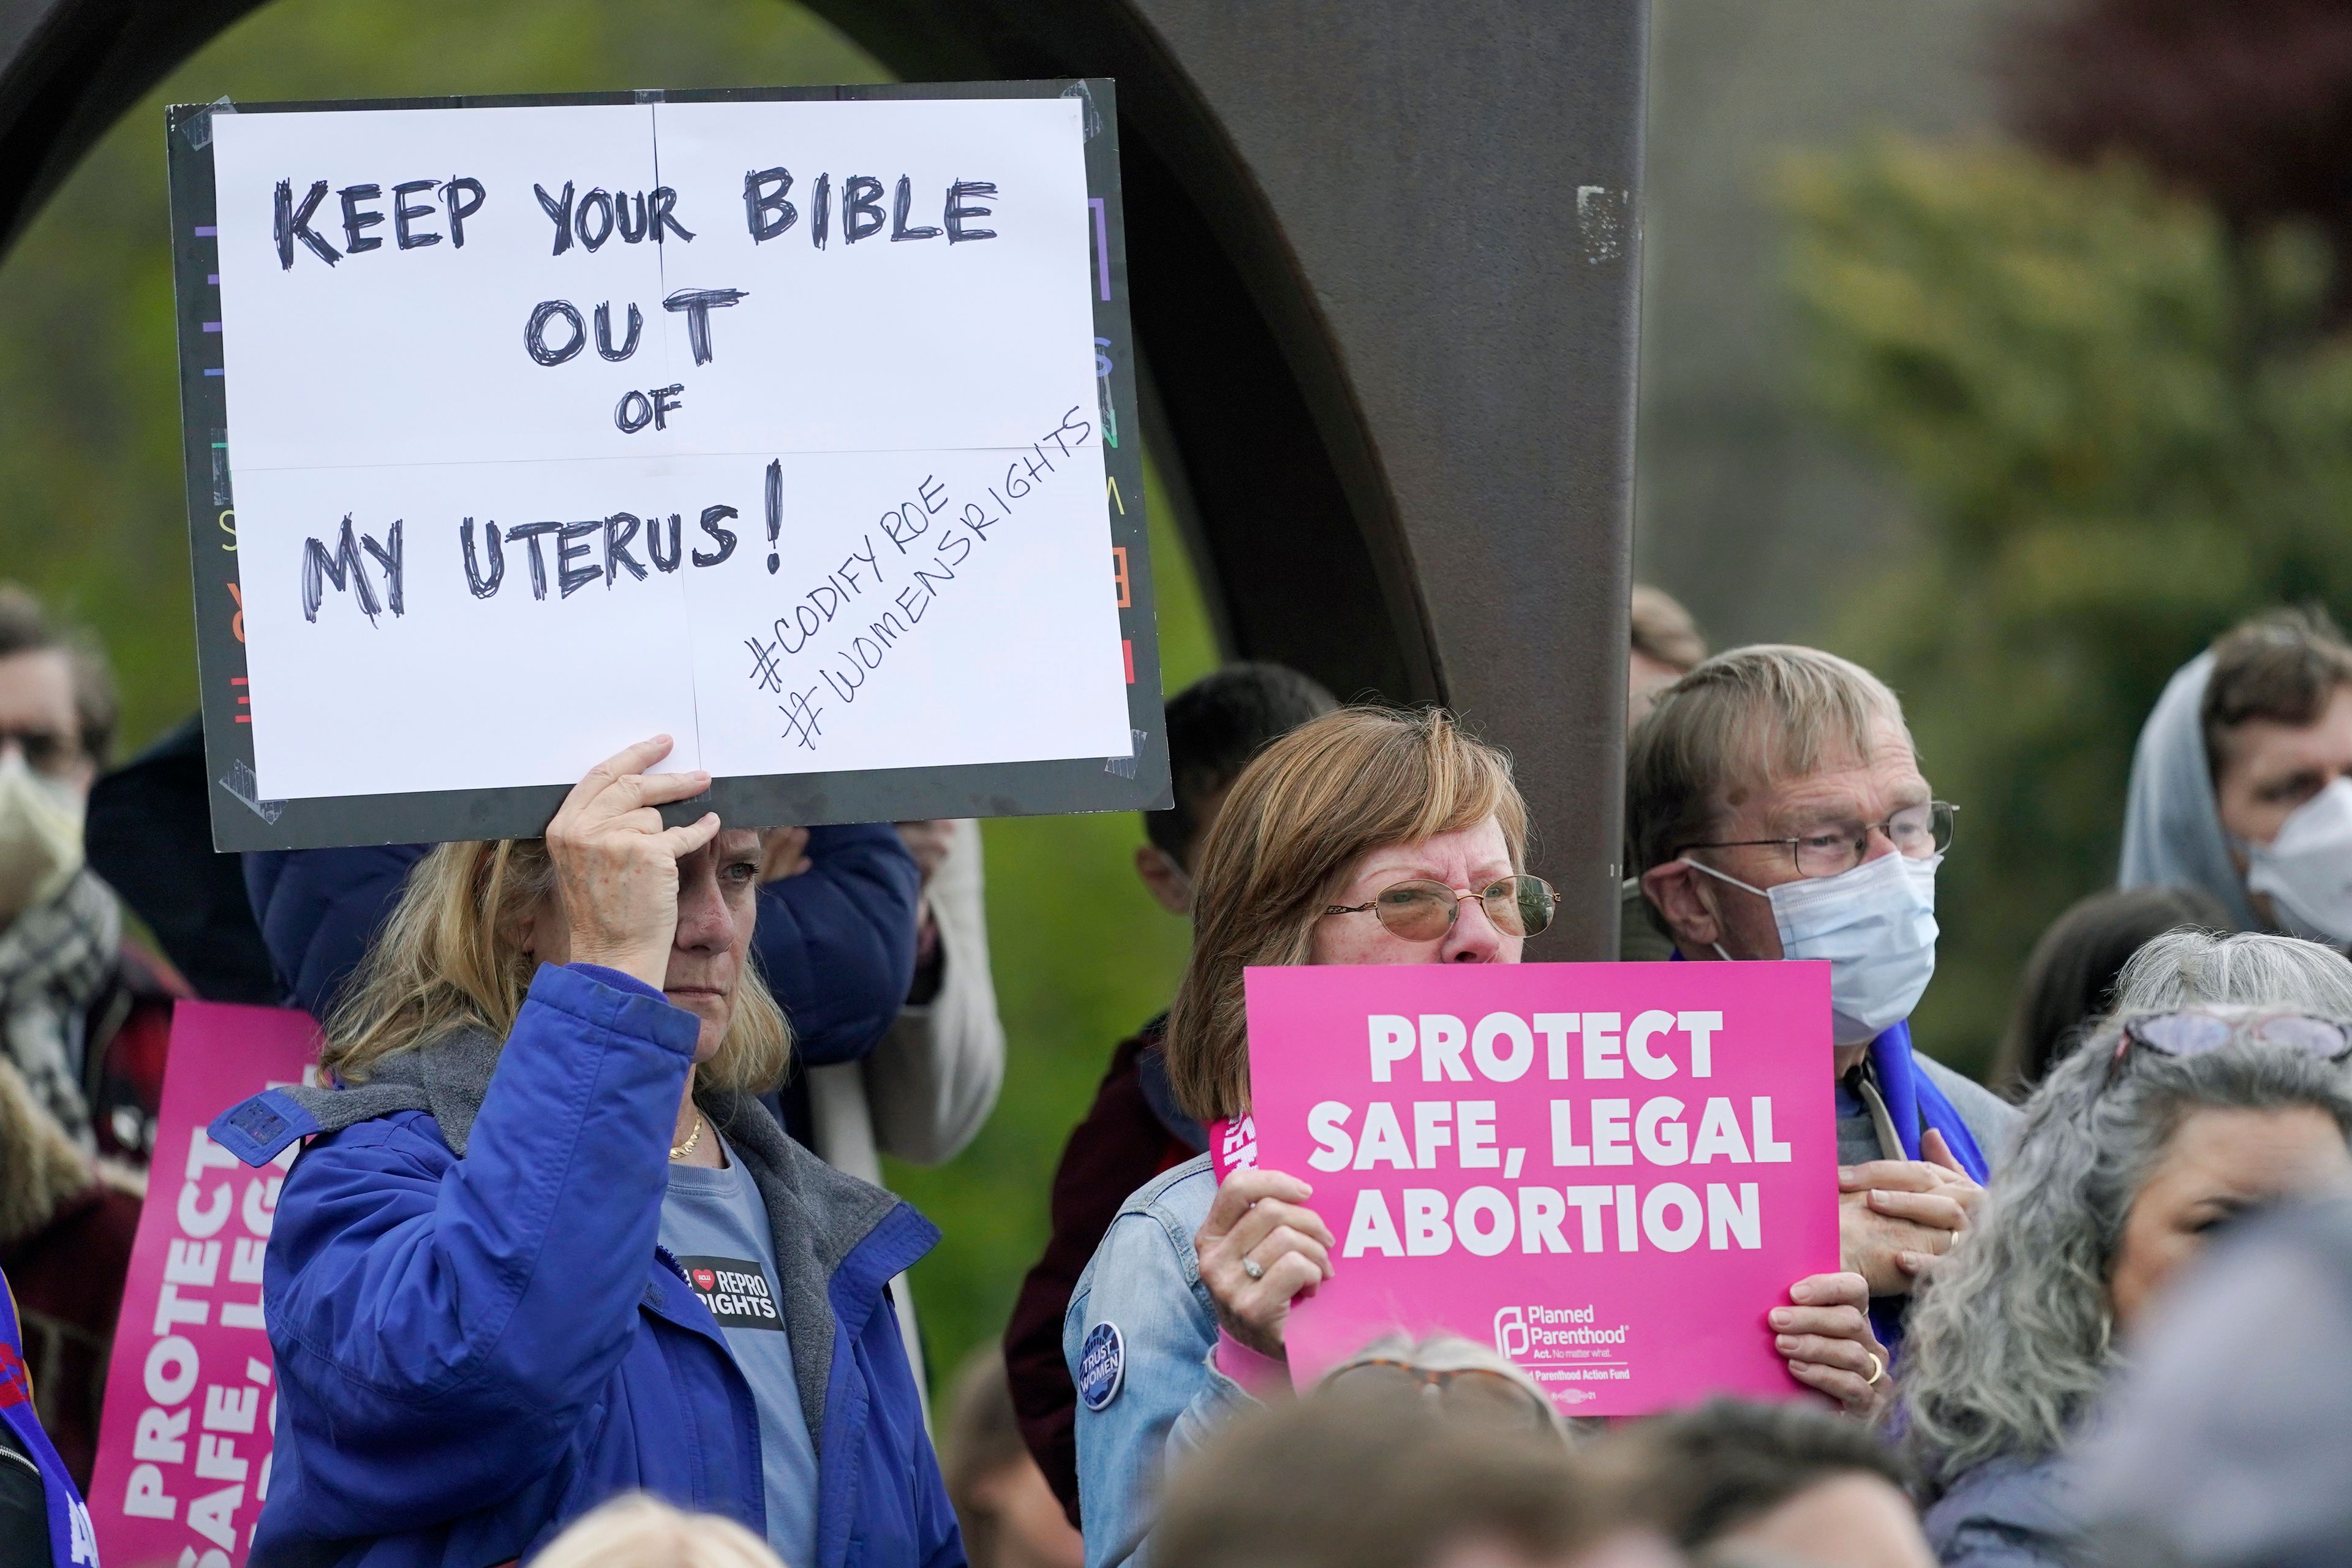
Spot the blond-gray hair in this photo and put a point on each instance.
(1746, 718)
(638, 1531)
(451, 957)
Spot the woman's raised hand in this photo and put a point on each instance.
(616, 865)
(1260, 1221)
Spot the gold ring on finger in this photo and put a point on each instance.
(1878, 1370)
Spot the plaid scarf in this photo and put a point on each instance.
(54, 963)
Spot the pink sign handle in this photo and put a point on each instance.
(1609, 1172)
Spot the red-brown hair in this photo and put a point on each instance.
(1298, 819)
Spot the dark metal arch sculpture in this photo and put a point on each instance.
(1384, 257)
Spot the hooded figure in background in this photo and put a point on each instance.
(2241, 782)
(2172, 828)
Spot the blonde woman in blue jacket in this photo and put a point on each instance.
(547, 1246)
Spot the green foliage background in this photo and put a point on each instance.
(2122, 426)
(96, 519)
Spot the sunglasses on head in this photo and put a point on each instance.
(1475, 1393)
(1424, 910)
(2199, 1034)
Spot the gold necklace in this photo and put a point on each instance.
(680, 1151)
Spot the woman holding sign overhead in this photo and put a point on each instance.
(1364, 836)
(547, 1246)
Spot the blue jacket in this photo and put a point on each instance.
(2007, 1513)
(477, 1337)
(71, 1543)
(836, 943)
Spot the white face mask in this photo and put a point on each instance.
(2306, 870)
(1876, 926)
(40, 836)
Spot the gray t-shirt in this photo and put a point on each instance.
(714, 1223)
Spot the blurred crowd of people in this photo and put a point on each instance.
(586, 1260)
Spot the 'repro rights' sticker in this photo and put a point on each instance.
(736, 1290)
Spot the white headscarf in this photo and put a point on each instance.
(2172, 823)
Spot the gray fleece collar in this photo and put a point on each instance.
(446, 1080)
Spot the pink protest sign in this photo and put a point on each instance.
(184, 1450)
(1611, 1172)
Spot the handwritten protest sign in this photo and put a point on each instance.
(1609, 1171)
(795, 425)
(183, 1451)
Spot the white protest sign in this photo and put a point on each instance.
(774, 425)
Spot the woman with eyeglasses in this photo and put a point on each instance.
(2161, 1130)
(1364, 836)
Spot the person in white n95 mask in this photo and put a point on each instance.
(60, 928)
(2241, 784)
(1774, 809)
(2306, 870)
(84, 1019)
(40, 833)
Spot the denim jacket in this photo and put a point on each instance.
(1168, 1395)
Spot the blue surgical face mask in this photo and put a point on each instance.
(1876, 926)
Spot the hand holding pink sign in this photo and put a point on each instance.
(1613, 1171)
(1262, 1252)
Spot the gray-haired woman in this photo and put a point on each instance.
(2164, 1127)
(2251, 969)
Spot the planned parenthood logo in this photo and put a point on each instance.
(1562, 1347)
(1511, 1331)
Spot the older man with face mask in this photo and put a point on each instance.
(1775, 809)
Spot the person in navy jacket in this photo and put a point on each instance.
(546, 1246)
